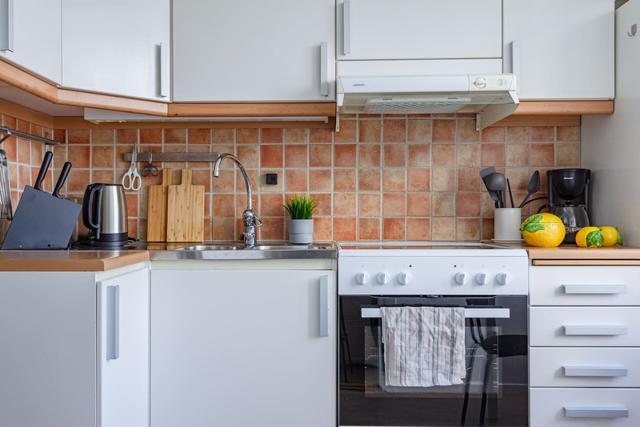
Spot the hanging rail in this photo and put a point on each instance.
(8, 132)
(173, 157)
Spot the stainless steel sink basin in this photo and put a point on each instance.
(236, 251)
(240, 246)
(210, 248)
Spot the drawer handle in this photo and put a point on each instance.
(346, 27)
(596, 411)
(6, 40)
(595, 371)
(594, 289)
(594, 330)
(113, 322)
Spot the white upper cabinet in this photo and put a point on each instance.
(253, 50)
(118, 47)
(30, 36)
(560, 49)
(419, 29)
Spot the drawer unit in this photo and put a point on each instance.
(556, 407)
(584, 326)
(584, 286)
(584, 367)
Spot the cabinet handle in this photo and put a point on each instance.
(593, 289)
(324, 61)
(164, 77)
(594, 330)
(113, 322)
(346, 27)
(7, 10)
(515, 62)
(596, 411)
(324, 306)
(595, 371)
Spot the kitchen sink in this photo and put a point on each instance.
(240, 246)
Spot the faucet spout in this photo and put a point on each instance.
(247, 181)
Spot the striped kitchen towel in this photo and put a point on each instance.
(423, 346)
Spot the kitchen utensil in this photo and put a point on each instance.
(150, 169)
(104, 213)
(497, 182)
(506, 224)
(42, 221)
(157, 208)
(6, 213)
(131, 179)
(532, 188)
(510, 193)
(484, 173)
(66, 168)
(185, 211)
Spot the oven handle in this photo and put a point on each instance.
(469, 313)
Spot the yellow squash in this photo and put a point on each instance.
(611, 236)
(544, 230)
(589, 237)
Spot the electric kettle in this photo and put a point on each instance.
(104, 213)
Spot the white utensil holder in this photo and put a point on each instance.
(506, 224)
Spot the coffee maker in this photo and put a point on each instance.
(569, 199)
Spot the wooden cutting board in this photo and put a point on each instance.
(185, 211)
(157, 208)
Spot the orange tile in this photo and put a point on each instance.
(467, 229)
(295, 156)
(101, 157)
(394, 130)
(541, 155)
(344, 180)
(202, 177)
(394, 179)
(444, 131)
(443, 179)
(568, 155)
(320, 180)
(271, 204)
(105, 177)
(517, 134)
(419, 155)
(132, 228)
(344, 229)
(278, 187)
(78, 136)
(370, 131)
(418, 229)
(79, 156)
(393, 204)
(227, 136)
(296, 181)
(126, 136)
(369, 155)
(418, 179)
(199, 136)
(253, 179)
(11, 149)
(519, 178)
(344, 204)
(78, 180)
(517, 154)
(101, 136)
(468, 155)
(542, 134)
(394, 155)
(568, 133)
(493, 134)
(320, 135)
(175, 136)
(296, 136)
(248, 155)
(324, 204)
(345, 155)
(443, 155)
(147, 136)
(224, 183)
(393, 229)
(369, 179)
(466, 131)
(467, 204)
(418, 204)
(493, 155)
(419, 130)
(469, 179)
(487, 229)
(320, 155)
(24, 151)
(271, 156)
(369, 204)
(132, 204)
(369, 229)
(247, 136)
(223, 229)
(24, 176)
(443, 204)
(348, 131)
(322, 229)
(224, 205)
(271, 136)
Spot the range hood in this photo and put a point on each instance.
(491, 97)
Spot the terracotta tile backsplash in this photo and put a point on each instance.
(395, 178)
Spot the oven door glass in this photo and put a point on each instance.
(494, 392)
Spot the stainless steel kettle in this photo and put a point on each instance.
(104, 213)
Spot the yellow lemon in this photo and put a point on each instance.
(611, 236)
(589, 237)
(544, 230)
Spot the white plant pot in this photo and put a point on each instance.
(300, 231)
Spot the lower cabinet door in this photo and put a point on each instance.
(123, 350)
(243, 348)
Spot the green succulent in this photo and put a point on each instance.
(301, 207)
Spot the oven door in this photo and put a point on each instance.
(494, 392)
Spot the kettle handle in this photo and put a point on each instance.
(92, 206)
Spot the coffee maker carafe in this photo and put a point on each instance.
(569, 199)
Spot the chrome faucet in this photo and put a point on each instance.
(251, 220)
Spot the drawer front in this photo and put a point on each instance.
(584, 286)
(584, 367)
(556, 407)
(584, 326)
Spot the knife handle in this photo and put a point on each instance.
(62, 179)
(46, 162)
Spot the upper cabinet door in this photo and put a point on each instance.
(30, 36)
(419, 29)
(560, 49)
(119, 47)
(242, 50)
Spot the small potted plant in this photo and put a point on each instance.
(300, 225)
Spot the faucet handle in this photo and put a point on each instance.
(257, 221)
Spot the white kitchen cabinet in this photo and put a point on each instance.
(560, 49)
(243, 348)
(419, 29)
(30, 36)
(254, 50)
(119, 47)
(71, 357)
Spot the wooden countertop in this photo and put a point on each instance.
(69, 260)
(572, 255)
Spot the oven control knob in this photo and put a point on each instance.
(481, 279)
(502, 278)
(382, 278)
(404, 278)
(362, 278)
(460, 278)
